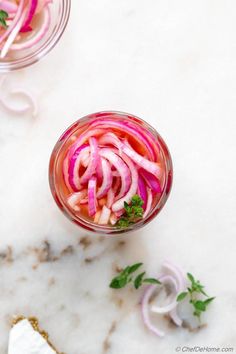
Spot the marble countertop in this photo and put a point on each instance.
(173, 63)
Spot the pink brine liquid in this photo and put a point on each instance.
(105, 162)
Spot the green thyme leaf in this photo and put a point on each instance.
(182, 296)
(133, 268)
(139, 280)
(3, 17)
(126, 276)
(133, 212)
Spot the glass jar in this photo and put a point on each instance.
(56, 171)
(18, 59)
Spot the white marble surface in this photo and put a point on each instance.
(173, 63)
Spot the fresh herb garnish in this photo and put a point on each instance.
(126, 276)
(193, 292)
(3, 17)
(133, 212)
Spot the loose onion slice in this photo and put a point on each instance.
(167, 279)
(30, 107)
(145, 311)
(92, 202)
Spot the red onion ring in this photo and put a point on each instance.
(119, 204)
(12, 35)
(8, 6)
(31, 12)
(14, 22)
(149, 203)
(142, 191)
(105, 216)
(93, 161)
(107, 179)
(151, 181)
(121, 167)
(39, 35)
(92, 202)
(74, 165)
(145, 311)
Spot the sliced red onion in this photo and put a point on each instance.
(92, 162)
(74, 165)
(92, 202)
(75, 198)
(119, 213)
(121, 167)
(8, 6)
(105, 216)
(82, 139)
(151, 181)
(107, 179)
(12, 35)
(30, 107)
(150, 166)
(14, 22)
(31, 12)
(142, 191)
(85, 159)
(145, 311)
(149, 203)
(167, 279)
(39, 35)
(119, 204)
(97, 217)
(178, 273)
(116, 186)
(113, 219)
(133, 130)
(112, 139)
(110, 198)
(175, 317)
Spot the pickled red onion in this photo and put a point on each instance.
(105, 215)
(30, 14)
(38, 35)
(107, 179)
(74, 165)
(120, 166)
(149, 203)
(8, 6)
(119, 204)
(92, 202)
(92, 162)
